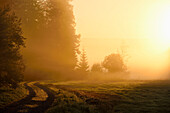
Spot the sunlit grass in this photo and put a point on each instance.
(9, 95)
(126, 96)
(66, 102)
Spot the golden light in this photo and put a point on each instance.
(164, 25)
(41, 1)
(161, 25)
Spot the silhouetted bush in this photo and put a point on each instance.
(96, 68)
(114, 63)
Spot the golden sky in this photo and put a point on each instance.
(123, 18)
(141, 25)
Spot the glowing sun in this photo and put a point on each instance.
(160, 30)
(164, 24)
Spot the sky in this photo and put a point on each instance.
(141, 26)
(121, 18)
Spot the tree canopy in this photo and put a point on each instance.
(114, 63)
(11, 41)
(49, 27)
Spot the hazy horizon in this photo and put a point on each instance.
(143, 60)
(141, 26)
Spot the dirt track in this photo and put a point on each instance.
(34, 102)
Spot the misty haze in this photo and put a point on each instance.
(92, 56)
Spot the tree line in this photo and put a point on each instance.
(38, 35)
(47, 28)
(112, 63)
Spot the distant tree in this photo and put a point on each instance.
(114, 63)
(11, 42)
(96, 68)
(83, 64)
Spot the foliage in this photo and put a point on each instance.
(9, 95)
(69, 103)
(49, 25)
(96, 68)
(114, 63)
(83, 64)
(54, 19)
(11, 41)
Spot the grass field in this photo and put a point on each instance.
(9, 95)
(111, 97)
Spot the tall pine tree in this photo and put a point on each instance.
(83, 64)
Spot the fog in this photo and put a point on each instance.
(53, 41)
(143, 58)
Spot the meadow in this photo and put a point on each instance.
(9, 95)
(110, 97)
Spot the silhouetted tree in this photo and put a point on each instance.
(83, 64)
(96, 68)
(114, 63)
(11, 41)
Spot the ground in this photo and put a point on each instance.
(115, 96)
(97, 97)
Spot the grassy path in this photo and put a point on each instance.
(38, 101)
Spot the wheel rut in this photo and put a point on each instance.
(39, 100)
